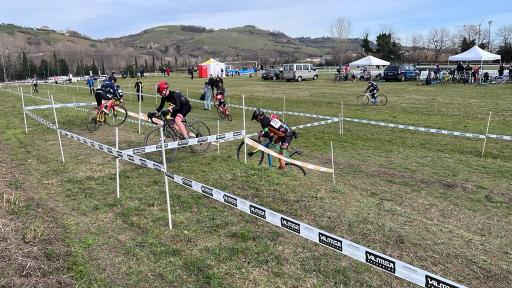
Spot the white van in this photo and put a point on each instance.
(299, 72)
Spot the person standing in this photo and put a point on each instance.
(138, 90)
(510, 72)
(90, 84)
(211, 82)
(218, 82)
(167, 71)
(191, 72)
(207, 96)
(501, 69)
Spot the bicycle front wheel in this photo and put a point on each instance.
(153, 138)
(116, 116)
(362, 100)
(382, 100)
(296, 169)
(196, 130)
(220, 112)
(254, 155)
(91, 121)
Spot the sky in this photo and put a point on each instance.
(308, 18)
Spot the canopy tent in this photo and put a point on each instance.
(211, 67)
(475, 54)
(369, 61)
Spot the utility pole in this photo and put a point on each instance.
(489, 39)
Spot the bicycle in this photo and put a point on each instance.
(115, 117)
(223, 111)
(365, 99)
(255, 155)
(195, 130)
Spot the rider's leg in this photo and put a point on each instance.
(180, 126)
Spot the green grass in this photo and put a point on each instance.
(429, 200)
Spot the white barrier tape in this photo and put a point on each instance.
(273, 153)
(341, 245)
(41, 120)
(63, 105)
(304, 126)
(224, 137)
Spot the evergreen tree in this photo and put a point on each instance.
(388, 48)
(365, 45)
(103, 67)
(466, 44)
(153, 67)
(55, 63)
(63, 67)
(25, 66)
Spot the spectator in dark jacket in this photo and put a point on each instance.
(501, 69)
(211, 82)
(138, 89)
(218, 82)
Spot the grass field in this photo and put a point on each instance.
(429, 200)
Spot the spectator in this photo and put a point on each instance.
(207, 96)
(90, 84)
(501, 69)
(141, 72)
(162, 70)
(138, 89)
(476, 74)
(167, 71)
(211, 82)
(191, 72)
(510, 72)
(428, 81)
(436, 71)
(460, 68)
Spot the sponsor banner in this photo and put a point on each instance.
(224, 137)
(275, 154)
(60, 105)
(41, 120)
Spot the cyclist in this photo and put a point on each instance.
(34, 84)
(372, 89)
(220, 96)
(107, 91)
(90, 84)
(275, 130)
(179, 108)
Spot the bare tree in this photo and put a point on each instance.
(438, 40)
(341, 29)
(505, 35)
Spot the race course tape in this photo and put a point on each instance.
(257, 145)
(187, 142)
(338, 244)
(63, 105)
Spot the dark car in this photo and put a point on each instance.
(273, 74)
(400, 72)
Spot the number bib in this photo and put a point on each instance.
(276, 123)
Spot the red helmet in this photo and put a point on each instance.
(161, 86)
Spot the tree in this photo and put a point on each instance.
(63, 67)
(437, 41)
(505, 45)
(136, 67)
(25, 66)
(55, 63)
(103, 67)
(340, 29)
(94, 68)
(153, 66)
(365, 45)
(388, 48)
(466, 44)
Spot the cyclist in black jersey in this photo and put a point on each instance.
(275, 130)
(372, 88)
(179, 108)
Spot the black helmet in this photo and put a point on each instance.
(257, 113)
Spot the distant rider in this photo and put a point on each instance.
(372, 89)
(107, 91)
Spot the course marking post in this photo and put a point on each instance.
(342, 118)
(57, 128)
(165, 178)
(243, 116)
(332, 161)
(486, 133)
(130, 90)
(218, 132)
(284, 105)
(117, 164)
(23, 106)
(139, 101)
(74, 102)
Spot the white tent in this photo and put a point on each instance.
(475, 54)
(214, 67)
(369, 61)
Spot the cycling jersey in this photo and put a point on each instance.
(372, 86)
(109, 88)
(176, 99)
(274, 126)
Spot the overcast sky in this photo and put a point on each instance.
(114, 18)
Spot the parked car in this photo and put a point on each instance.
(400, 72)
(299, 72)
(273, 74)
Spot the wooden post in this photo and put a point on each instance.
(486, 132)
(57, 129)
(23, 107)
(165, 178)
(218, 132)
(243, 116)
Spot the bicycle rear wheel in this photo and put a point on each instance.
(116, 116)
(220, 112)
(296, 169)
(228, 114)
(362, 100)
(153, 138)
(196, 130)
(91, 120)
(382, 100)
(253, 155)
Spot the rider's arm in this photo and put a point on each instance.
(161, 106)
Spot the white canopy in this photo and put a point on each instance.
(369, 61)
(215, 67)
(475, 54)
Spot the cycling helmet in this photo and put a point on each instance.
(257, 113)
(161, 86)
(112, 78)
